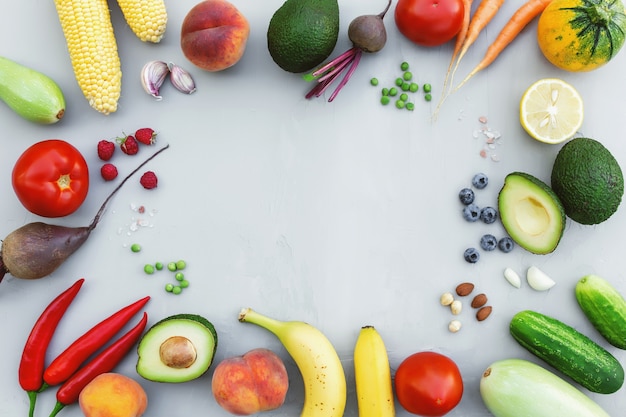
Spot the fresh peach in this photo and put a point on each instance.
(214, 35)
(254, 382)
(113, 395)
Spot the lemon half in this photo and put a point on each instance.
(551, 110)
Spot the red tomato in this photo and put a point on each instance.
(429, 22)
(428, 384)
(51, 178)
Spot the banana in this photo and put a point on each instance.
(316, 358)
(372, 375)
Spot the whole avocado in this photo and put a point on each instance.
(588, 180)
(303, 33)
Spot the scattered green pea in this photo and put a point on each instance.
(404, 97)
(407, 76)
(393, 92)
(169, 287)
(399, 81)
(410, 106)
(184, 283)
(171, 266)
(385, 91)
(405, 86)
(404, 66)
(428, 97)
(427, 88)
(384, 100)
(158, 266)
(414, 87)
(374, 81)
(181, 265)
(135, 247)
(179, 276)
(148, 269)
(177, 289)
(400, 104)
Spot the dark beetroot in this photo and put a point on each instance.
(36, 249)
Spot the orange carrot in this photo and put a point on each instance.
(460, 39)
(522, 17)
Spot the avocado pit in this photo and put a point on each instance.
(178, 352)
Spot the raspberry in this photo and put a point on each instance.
(108, 172)
(128, 145)
(105, 149)
(146, 135)
(149, 180)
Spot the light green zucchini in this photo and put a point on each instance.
(520, 388)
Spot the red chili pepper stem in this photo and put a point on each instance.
(86, 345)
(108, 359)
(31, 368)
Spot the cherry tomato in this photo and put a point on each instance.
(51, 178)
(428, 384)
(429, 22)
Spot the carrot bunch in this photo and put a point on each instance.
(472, 27)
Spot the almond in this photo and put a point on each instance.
(479, 301)
(483, 313)
(464, 289)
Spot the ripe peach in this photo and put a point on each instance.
(113, 395)
(254, 382)
(214, 35)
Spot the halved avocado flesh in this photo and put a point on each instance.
(531, 213)
(178, 348)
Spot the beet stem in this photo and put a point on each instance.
(98, 215)
(384, 12)
(346, 78)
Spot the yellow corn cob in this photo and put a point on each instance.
(146, 18)
(93, 51)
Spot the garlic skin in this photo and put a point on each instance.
(181, 79)
(153, 76)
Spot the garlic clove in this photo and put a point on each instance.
(153, 76)
(538, 280)
(181, 79)
(512, 277)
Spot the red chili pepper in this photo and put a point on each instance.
(105, 362)
(64, 365)
(32, 364)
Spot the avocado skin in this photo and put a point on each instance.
(303, 33)
(29, 93)
(588, 180)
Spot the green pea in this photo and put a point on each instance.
(181, 264)
(148, 269)
(393, 92)
(404, 97)
(399, 81)
(428, 97)
(427, 88)
(177, 289)
(385, 91)
(384, 100)
(171, 266)
(179, 276)
(158, 266)
(374, 81)
(404, 66)
(407, 76)
(135, 247)
(410, 106)
(414, 87)
(169, 287)
(400, 104)
(405, 86)
(184, 283)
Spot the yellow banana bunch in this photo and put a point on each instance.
(372, 375)
(317, 360)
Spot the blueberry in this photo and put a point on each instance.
(506, 244)
(488, 242)
(466, 196)
(488, 215)
(471, 212)
(480, 181)
(471, 255)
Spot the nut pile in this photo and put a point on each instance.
(478, 302)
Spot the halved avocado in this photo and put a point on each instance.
(531, 213)
(178, 348)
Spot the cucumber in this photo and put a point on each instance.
(605, 308)
(517, 387)
(567, 350)
(31, 94)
